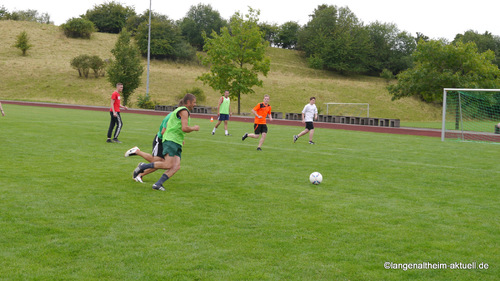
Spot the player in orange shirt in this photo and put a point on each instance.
(261, 111)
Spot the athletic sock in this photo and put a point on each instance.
(227, 133)
(214, 130)
(163, 178)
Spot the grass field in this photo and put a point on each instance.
(70, 210)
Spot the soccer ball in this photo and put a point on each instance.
(316, 178)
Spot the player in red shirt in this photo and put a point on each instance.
(114, 111)
(261, 111)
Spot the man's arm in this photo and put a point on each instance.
(184, 121)
(113, 106)
(218, 106)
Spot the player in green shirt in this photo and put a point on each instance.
(173, 140)
(156, 154)
(223, 112)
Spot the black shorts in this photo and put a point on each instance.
(260, 128)
(223, 117)
(309, 125)
(157, 147)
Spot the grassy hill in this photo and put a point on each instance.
(45, 75)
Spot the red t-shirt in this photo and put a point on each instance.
(262, 110)
(116, 104)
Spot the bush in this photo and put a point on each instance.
(315, 62)
(145, 102)
(22, 42)
(197, 92)
(78, 28)
(84, 63)
(387, 75)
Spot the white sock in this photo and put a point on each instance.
(227, 133)
(214, 129)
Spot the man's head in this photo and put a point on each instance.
(266, 99)
(119, 87)
(226, 94)
(312, 100)
(189, 101)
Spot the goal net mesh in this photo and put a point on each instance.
(472, 116)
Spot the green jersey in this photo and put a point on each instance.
(174, 131)
(224, 106)
(163, 125)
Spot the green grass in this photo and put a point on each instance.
(45, 75)
(70, 210)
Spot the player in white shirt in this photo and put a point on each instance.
(309, 114)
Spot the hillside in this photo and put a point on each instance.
(45, 75)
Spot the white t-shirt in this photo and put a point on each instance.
(309, 111)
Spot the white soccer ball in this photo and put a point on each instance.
(316, 178)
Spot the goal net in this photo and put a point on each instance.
(471, 115)
(348, 109)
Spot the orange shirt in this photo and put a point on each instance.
(262, 110)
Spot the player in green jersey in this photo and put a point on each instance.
(173, 140)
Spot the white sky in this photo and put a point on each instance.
(433, 18)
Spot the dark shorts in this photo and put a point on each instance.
(172, 149)
(309, 125)
(157, 147)
(260, 128)
(223, 117)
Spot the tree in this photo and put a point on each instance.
(134, 21)
(269, 32)
(78, 28)
(484, 42)
(126, 67)
(236, 56)
(166, 41)
(392, 48)
(439, 65)
(22, 42)
(288, 35)
(110, 17)
(336, 40)
(200, 19)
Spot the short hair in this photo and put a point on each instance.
(119, 84)
(312, 98)
(266, 96)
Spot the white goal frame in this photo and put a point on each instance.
(344, 103)
(445, 92)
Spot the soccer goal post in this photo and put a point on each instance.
(348, 109)
(471, 115)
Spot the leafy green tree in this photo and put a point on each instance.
(166, 41)
(4, 13)
(126, 67)
(484, 42)
(439, 65)
(23, 43)
(335, 37)
(110, 17)
(82, 64)
(392, 48)
(78, 28)
(134, 21)
(236, 56)
(288, 35)
(198, 20)
(270, 32)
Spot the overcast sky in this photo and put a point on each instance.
(433, 18)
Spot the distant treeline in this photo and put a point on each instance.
(333, 39)
(27, 15)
